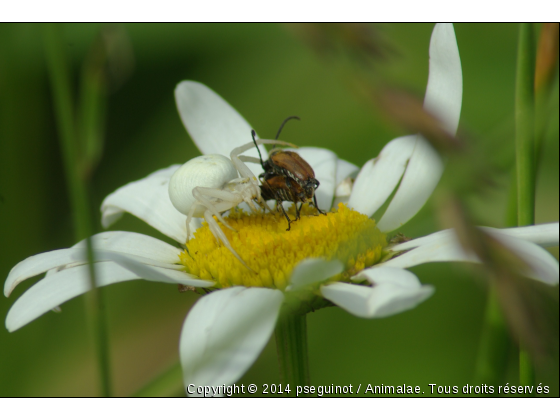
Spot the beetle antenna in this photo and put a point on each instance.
(258, 150)
(293, 117)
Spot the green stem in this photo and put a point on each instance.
(511, 209)
(291, 346)
(95, 304)
(77, 187)
(93, 105)
(524, 127)
(526, 370)
(525, 154)
(491, 364)
(168, 384)
(60, 85)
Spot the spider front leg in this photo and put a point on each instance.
(190, 215)
(247, 190)
(243, 170)
(228, 200)
(220, 235)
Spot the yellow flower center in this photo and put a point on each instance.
(272, 252)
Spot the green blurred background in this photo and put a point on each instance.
(267, 72)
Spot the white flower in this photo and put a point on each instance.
(227, 329)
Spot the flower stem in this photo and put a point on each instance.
(494, 344)
(524, 127)
(77, 187)
(291, 346)
(525, 154)
(168, 384)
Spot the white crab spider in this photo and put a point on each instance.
(209, 185)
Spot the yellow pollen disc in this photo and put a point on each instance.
(272, 252)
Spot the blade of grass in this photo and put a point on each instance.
(525, 154)
(77, 188)
(168, 384)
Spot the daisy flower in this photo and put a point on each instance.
(342, 258)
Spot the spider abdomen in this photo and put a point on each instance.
(208, 171)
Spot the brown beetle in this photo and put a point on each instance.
(288, 177)
(281, 188)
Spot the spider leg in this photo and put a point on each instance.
(220, 235)
(187, 249)
(247, 191)
(243, 170)
(229, 200)
(189, 218)
(264, 205)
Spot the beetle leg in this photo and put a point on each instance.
(316, 206)
(220, 236)
(280, 206)
(298, 210)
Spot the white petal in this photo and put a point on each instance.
(225, 332)
(379, 177)
(419, 181)
(443, 99)
(438, 247)
(148, 269)
(123, 242)
(423, 240)
(424, 169)
(323, 162)
(135, 244)
(445, 81)
(444, 246)
(542, 265)
(64, 285)
(147, 199)
(313, 270)
(393, 291)
(344, 169)
(35, 265)
(346, 174)
(213, 124)
(342, 192)
(544, 235)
